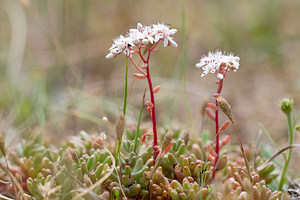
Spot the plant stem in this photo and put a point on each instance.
(217, 128)
(153, 115)
(291, 140)
(125, 88)
(139, 122)
(117, 150)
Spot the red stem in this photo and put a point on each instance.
(137, 67)
(147, 74)
(153, 108)
(217, 128)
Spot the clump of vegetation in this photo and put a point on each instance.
(183, 167)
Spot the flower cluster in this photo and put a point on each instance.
(218, 64)
(141, 37)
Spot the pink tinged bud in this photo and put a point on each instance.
(144, 65)
(155, 50)
(110, 56)
(144, 137)
(225, 141)
(224, 126)
(220, 76)
(211, 158)
(149, 110)
(168, 148)
(216, 95)
(156, 89)
(210, 114)
(149, 104)
(211, 150)
(139, 76)
(212, 106)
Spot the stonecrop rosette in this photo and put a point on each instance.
(218, 63)
(141, 37)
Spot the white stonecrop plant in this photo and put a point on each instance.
(218, 63)
(141, 37)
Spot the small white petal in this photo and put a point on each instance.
(116, 51)
(198, 65)
(139, 26)
(204, 73)
(110, 56)
(173, 43)
(166, 42)
(173, 31)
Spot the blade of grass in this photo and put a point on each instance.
(125, 87)
(139, 122)
(269, 136)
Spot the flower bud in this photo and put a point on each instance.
(225, 107)
(297, 127)
(155, 50)
(149, 104)
(212, 106)
(186, 137)
(167, 140)
(224, 126)
(210, 114)
(156, 89)
(139, 76)
(286, 105)
(104, 119)
(220, 76)
(144, 65)
(120, 126)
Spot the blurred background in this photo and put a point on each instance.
(55, 80)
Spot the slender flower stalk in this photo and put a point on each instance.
(144, 38)
(219, 65)
(139, 122)
(287, 106)
(217, 125)
(125, 87)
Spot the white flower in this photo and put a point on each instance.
(136, 36)
(121, 44)
(162, 31)
(141, 37)
(218, 64)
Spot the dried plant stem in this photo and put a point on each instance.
(277, 154)
(5, 197)
(15, 182)
(291, 140)
(242, 149)
(119, 180)
(217, 128)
